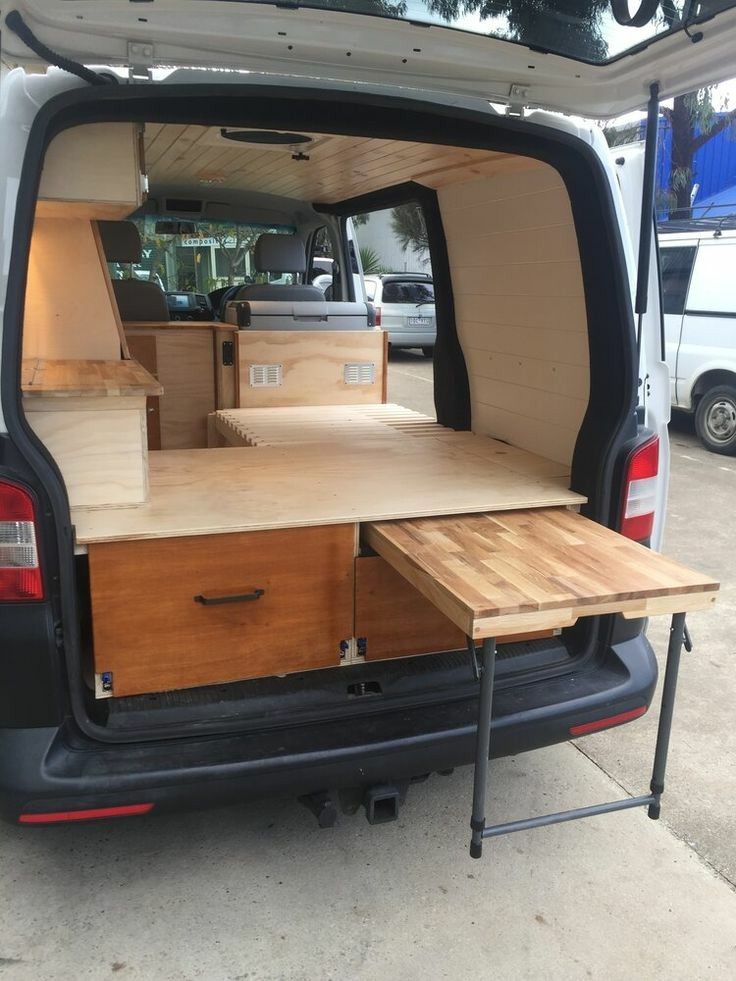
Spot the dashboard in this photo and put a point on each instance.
(189, 306)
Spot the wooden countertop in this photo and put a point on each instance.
(501, 573)
(58, 379)
(178, 325)
(200, 492)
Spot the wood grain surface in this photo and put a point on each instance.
(200, 492)
(152, 634)
(49, 378)
(313, 363)
(497, 574)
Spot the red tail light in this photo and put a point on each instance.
(640, 493)
(611, 720)
(92, 814)
(20, 574)
(378, 316)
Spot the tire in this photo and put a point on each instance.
(428, 352)
(715, 420)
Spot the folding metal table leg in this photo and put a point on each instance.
(669, 688)
(482, 746)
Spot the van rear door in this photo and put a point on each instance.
(596, 58)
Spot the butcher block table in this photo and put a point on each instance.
(504, 572)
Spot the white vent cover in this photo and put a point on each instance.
(266, 375)
(362, 373)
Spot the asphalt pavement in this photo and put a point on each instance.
(259, 892)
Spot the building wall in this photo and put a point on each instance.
(378, 235)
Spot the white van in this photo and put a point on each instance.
(698, 268)
(190, 609)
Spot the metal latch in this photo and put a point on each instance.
(518, 99)
(140, 61)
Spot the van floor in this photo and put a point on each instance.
(271, 702)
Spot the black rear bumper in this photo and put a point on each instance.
(49, 769)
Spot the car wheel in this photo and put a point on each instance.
(715, 420)
(428, 352)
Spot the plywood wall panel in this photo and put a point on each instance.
(69, 311)
(520, 307)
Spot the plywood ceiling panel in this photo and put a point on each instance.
(336, 168)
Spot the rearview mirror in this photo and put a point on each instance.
(173, 227)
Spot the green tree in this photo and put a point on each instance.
(234, 240)
(410, 229)
(370, 260)
(694, 122)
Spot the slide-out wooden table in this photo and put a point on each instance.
(501, 573)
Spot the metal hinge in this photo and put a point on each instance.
(103, 684)
(140, 61)
(518, 98)
(353, 650)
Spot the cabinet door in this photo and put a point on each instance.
(164, 614)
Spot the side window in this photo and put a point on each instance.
(677, 264)
(713, 286)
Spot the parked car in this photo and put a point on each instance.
(404, 305)
(698, 267)
(529, 235)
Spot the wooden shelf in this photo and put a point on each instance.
(43, 378)
(496, 574)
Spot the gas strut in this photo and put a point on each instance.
(646, 226)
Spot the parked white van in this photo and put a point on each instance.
(191, 609)
(698, 268)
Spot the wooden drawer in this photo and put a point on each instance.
(397, 621)
(152, 635)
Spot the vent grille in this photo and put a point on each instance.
(266, 375)
(362, 373)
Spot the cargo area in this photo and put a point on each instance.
(226, 471)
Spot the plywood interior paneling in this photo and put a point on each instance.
(92, 171)
(338, 167)
(312, 366)
(185, 365)
(69, 312)
(519, 307)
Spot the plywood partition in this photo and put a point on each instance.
(69, 308)
(309, 367)
(519, 306)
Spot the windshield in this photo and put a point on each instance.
(587, 30)
(203, 256)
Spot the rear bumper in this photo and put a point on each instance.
(47, 769)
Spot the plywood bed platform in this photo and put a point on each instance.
(347, 465)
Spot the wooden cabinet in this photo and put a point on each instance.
(91, 417)
(182, 357)
(164, 617)
(393, 617)
(93, 171)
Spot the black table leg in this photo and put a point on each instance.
(482, 746)
(483, 750)
(669, 689)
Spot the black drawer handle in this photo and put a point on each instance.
(234, 598)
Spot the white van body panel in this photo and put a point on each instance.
(702, 337)
(315, 43)
(654, 381)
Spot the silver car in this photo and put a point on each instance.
(404, 305)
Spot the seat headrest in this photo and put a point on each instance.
(121, 241)
(279, 254)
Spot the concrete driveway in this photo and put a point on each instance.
(261, 893)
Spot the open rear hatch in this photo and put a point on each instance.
(595, 58)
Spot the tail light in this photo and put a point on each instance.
(640, 494)
(91, 814)
(378, 316)
(20, 574)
